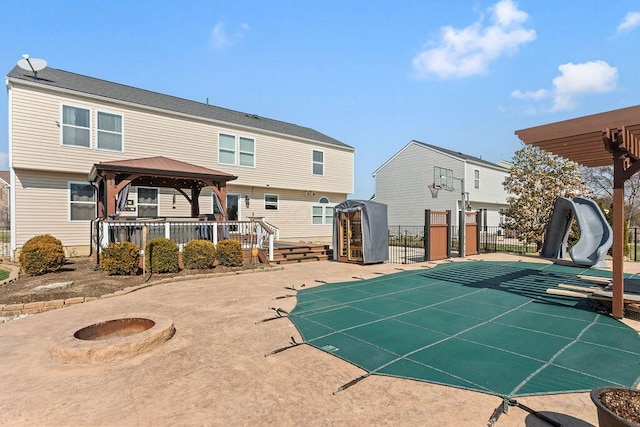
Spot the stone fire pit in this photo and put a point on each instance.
(112, 338)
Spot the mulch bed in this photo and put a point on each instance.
(88, 281)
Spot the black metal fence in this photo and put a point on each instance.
(406, 243)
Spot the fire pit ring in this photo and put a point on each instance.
(112, 338)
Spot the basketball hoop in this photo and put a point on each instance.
(434, 188)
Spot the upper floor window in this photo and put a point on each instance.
(76, 126)
(322, 214)
(271, 202)
(318, 162)
(109, 131)
(443, 177)
(82, 202)
(247, 152)
(236, 151)
(476, 178)
(148, 204)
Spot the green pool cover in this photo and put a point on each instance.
(483, 326)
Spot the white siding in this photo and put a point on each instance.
(402, 184)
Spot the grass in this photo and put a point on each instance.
(4, 274)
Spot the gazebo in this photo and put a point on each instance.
(604, 139)
(111, 178)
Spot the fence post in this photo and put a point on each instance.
(461, 232)
(448, 234)
(479, 227)
(426, 243)
(635, 244)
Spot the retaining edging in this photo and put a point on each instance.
(9, 311)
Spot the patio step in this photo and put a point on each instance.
(302, 253)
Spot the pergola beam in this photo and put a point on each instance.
(604, 139)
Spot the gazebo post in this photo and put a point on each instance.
(195, 201)
(617, 309)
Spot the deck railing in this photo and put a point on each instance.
(250, 234)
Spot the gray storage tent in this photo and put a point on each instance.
(360, 232)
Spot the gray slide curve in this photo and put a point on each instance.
(596, 235)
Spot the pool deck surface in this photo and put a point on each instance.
(214, 370)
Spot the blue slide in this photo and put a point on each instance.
(596, 235)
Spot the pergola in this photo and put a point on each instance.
(188, 179)
(604, 139)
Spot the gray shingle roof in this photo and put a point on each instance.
(93, 86)
(460, 155)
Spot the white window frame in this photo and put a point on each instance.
(237, 149)
(476, 178)
(70, 202)
(277, 202)
(253, 153)
(326, 208)
(314, 162)
(98, 130)
(147, 204)
(62, 125)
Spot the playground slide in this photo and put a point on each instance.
(557, 232)
(596, 235)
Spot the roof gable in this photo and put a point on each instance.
(456, 155)
(54, 78)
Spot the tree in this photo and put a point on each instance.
(600, 180)
(534, 182)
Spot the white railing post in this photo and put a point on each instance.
(215, 233)
(104, 241)
(270, 247)
(167, 230)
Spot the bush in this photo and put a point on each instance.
(229, 253)
(42, 254)
(120, 258)
(161, 256)
(199, 254)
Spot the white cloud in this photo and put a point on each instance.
(582, 79)
(469, 51)
(630, 21)
(574, 81)
(533, 95)
(221, 39)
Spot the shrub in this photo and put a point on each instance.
(120, 258)
(198, 254)
(41, 254)
(161, 256)
(229, 253)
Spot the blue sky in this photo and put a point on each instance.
(460, 74)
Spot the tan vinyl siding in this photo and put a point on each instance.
(280, 161)
(44, 208)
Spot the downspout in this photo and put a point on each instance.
(12, 183)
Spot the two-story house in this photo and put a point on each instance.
(61, 124)
(461, 182)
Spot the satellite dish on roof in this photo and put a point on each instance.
(32, 64)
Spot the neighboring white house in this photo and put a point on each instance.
(61, 124)
(403, 181)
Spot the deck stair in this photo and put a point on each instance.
(301, 253)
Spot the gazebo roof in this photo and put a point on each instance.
(160, 167)
(584, 139)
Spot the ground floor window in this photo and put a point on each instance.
(271, 202)
(82, 202)
(322, 213)
(148, 206)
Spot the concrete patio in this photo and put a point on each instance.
(214, 370)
